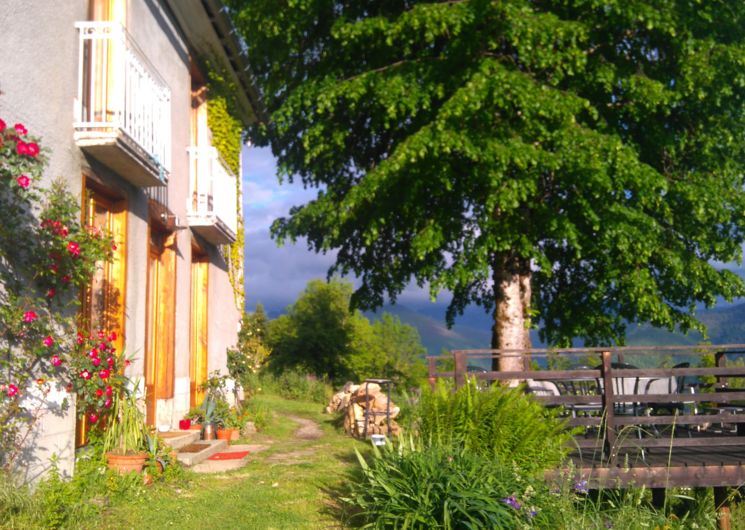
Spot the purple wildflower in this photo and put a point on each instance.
(581, 486)
(512, 501)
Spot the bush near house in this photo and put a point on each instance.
(47, 255)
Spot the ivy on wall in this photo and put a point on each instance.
(227, 131)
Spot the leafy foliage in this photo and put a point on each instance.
(595, 146)
(251, 350)
(321, 335)
(499, 422)
(442, 488)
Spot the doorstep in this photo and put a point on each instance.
(178, 439)
(199, 451)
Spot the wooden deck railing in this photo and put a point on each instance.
(691, 415)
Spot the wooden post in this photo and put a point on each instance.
(460, 368)
(721, 362)
(722, 505)
(658, 497)
(606, 372)
(432, 370)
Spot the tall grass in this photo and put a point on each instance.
(291, 384)
(496, 422)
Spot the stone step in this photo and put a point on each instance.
(179, 439)
(197, 452)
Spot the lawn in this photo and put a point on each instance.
(291, 484)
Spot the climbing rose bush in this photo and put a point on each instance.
(47, 256)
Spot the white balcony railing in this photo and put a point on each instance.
(121, 98)
(212, 204)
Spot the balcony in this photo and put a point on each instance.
(123, 107)
(212, 207)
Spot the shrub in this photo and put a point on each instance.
(294, 384)
(501, 422)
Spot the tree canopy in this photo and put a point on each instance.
(321, 335)
(576, 163)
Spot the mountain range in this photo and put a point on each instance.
(726, 325)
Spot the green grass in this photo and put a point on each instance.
(263, 495)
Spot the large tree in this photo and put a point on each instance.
(575, 163)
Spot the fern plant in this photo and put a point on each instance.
(497, 422)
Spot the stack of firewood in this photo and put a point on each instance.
(357, 405)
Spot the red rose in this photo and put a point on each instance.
(12, 390)
(2, 125)
(32, 149)
(101, 334)
(109, 391)
(81, 338)
(107, 403)
(112, 336)
(85, 374)
(110, 361)
(66, 278)
(54, 268)
(21, 148)
(56, 361)
(48, 341)
(93, 418)
(104, 374)
(96, 361)
(20, 129)
(23, 181)
(99, 392)
(29, 316)
(93, 353)
(73, 248)
(51, 292)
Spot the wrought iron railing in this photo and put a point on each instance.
(213, 192)
(120, 91)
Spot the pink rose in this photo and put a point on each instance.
(85, 374)
(23, 181)
(93, 353)
(2, 125)
(109, 391)
(107, 403)
(12, 390)
(110, 361)
(56, 361)
(93, 418)
(29, 316)
(20, 129)
(73, 248)
(96, 361)
(51, 292)
(104, 374)
(48, 341)
(21, 148)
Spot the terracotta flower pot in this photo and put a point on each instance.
(126, 463)
(226, 434)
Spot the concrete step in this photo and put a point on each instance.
(197, 452)
(179, 439)
(211, 465)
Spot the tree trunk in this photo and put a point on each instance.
(512, 294)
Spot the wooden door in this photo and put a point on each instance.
(198, 366)
(159, 351)
(102, 305)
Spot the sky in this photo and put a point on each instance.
(275, 276)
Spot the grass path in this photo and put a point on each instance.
(288, 485)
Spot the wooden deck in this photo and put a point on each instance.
(628, 401)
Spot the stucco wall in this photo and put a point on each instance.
(38, 81)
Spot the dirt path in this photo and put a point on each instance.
(308, 430)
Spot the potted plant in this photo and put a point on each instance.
(124, 438)
(230, 426)
(209, 418)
